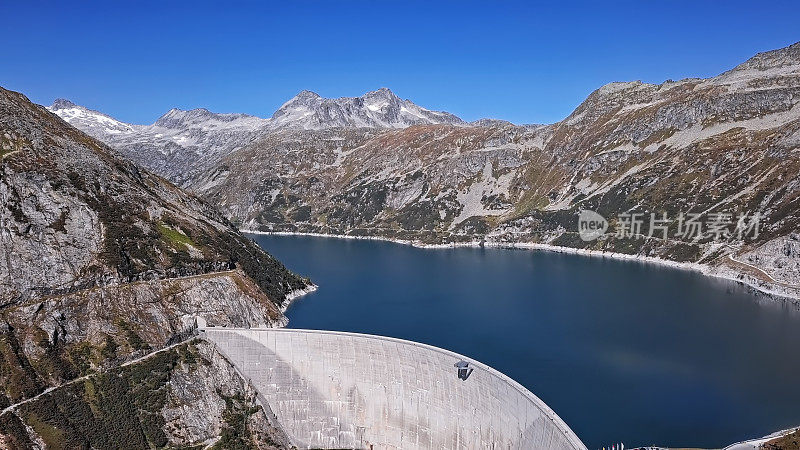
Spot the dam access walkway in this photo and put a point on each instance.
(344, 390)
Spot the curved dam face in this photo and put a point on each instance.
(344, 390)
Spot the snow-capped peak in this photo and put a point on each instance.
(307, 110)
(380, 100)
(203, 118)
(62, 103)
(202, 136)
(93, 122)
(375, 109)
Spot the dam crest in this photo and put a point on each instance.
(331, 389)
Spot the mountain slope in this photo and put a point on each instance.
(102, 263)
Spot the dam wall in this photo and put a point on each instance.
(345, 390)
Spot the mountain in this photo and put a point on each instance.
(91, 122)
(724, 145)
(181, 144)
(176, 143)
(377, 109)
(491, 123)
(727, 144)
(102, 264)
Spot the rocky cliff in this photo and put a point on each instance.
(103, 263)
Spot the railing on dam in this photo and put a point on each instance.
(346, 390)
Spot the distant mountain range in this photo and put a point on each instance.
(182, 143)
(378, 165)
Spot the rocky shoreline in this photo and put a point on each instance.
(774, 291)
(291, 296)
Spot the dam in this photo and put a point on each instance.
(345, 390)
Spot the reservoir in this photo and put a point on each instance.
(621, 350)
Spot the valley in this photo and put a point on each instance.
(377, 165)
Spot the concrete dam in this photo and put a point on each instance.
(345, 390)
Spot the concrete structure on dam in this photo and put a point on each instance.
(344, 390)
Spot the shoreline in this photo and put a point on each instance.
(751, 443)
(283, 321)
(704, 269)
(295, 294)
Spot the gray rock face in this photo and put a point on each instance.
(48, 237)
(101, 263)
(96, 220)
(176, 118)
(154, 311)
(186, 396)
(201, 403)
(779, 257)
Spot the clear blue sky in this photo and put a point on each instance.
(522, 62)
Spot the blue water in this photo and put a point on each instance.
(622, 351)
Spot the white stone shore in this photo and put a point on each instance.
(297, 293)
(774, 291)
(757, 443)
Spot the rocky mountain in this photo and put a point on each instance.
(377, 109)
(178, 143)
(103, 264)
(182, 144)
(91, 122)
(721, 151)
(725, 145)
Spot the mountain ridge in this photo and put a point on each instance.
(784, 57)
(302, 98)
(184, 143)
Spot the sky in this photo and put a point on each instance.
(526, 62)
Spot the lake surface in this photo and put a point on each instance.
(622, 351)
